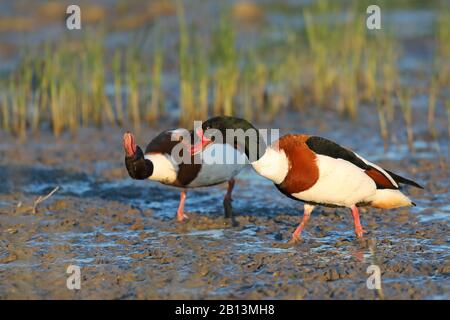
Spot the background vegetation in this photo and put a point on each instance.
(135, 63)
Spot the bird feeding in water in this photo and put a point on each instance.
(316, 171)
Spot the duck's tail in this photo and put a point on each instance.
(403, 180)
(389, 199)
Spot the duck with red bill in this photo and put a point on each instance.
(318, 171)
(157, 163)
(202, 143)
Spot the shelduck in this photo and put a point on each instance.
(317, 171)
(158, 164)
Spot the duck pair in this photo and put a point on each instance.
(310, 169)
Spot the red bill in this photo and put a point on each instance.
(129, 144)
(202, 143)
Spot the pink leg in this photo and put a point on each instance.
(306, 214)
(180, 212)
(358, 228)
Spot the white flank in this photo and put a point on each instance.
(273, 165)
(220, 163)
(340, 183)
(164, 169)
(378, 168)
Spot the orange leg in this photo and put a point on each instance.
(358, 228)
(306, 214)
(180, 212)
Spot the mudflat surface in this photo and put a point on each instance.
(123, 236)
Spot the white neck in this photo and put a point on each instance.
(273, 165)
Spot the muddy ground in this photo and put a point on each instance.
(122, 233)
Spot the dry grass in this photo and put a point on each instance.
(328, 64)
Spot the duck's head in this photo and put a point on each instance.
(137, 166)
(235, 131)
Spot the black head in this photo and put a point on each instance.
(235, 131)
(137, 166)
(222, 123)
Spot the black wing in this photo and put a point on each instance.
(162, 143)
(332, 149)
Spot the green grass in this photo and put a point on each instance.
(186, 82)
(404, 97)
(118, 84)
(447, 106)
(443, 47)
(328, 65)
(154, 110)
(224, 58)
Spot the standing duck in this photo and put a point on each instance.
(317, 171)
(157, 163)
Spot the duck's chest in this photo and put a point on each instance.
(273, 165)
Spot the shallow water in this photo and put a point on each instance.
(122, 234)
(114, 227)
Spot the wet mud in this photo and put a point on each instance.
(123, 235)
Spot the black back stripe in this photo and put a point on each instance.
(163, 144)
(332, 149)
(188, 172)
(400, 179)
